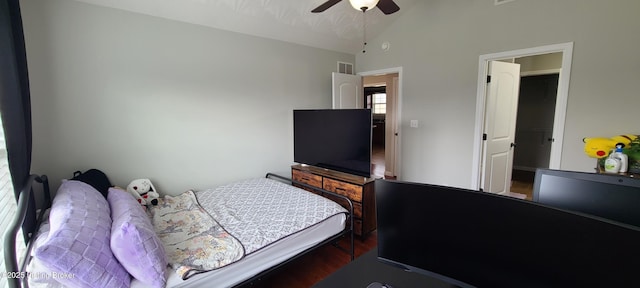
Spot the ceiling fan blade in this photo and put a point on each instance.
(325, 6)
(388, 7)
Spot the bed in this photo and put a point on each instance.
(242, 244)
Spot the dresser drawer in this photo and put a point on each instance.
(357, 207)
(358, 189)
(354, 192)
(307, 178)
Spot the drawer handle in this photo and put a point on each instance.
(304, 178)
(340, 189)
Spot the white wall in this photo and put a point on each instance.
(143, 97)
(438, 44)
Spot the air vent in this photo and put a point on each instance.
(345, 68)
(498, 2)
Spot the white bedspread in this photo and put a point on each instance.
(261, 211)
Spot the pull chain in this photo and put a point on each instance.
(364, 30)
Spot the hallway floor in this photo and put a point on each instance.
(523, 187)
(377, 162)
(522, 182)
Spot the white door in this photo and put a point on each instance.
(499, 126)
(347, 91)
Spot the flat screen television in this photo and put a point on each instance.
(477, 239)
(336, 139)
(610, 196)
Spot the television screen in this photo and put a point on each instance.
(611, 196)
(477, 239)
(336, 139)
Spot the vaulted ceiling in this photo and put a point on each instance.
(339, 28)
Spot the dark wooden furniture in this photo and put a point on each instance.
(357, 188)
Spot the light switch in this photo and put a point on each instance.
(414, 124)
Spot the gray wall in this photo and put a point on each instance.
(438, 44)
(143, 97)
(545, 63)
(192, 107)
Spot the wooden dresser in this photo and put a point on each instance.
(359, 189)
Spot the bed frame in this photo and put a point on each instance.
(30, 215)
(254, 281)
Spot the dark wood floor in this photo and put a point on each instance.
(315, 266)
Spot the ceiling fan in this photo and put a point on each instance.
(386, 6)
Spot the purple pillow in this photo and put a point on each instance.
(134, 241)
(78, 244)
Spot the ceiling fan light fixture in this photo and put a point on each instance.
(363, 5)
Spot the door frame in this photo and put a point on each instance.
(398, 116)
(561, 102)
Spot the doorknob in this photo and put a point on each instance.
(513, 145)
(551, 139)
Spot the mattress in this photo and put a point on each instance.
(256, 262)
(273, 221)
(260, 211)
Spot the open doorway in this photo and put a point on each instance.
(528, 59)
(534, 128)
(375, 97)
(382, 91)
